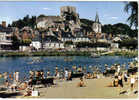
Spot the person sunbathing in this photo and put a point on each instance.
(23, 86)
(28, 92)
(81, 83)
(88, 76)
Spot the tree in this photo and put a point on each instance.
(129, 43)
(26, 21)
(15, 43)
(133, 18)
(119, 28)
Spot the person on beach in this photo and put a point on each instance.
(30, 82)
(5, 75)
(81, 83)
(37, 75)
(23, 86)
(28, 92)
(13, 86)
(31, 74)
(56, 72)
(56, 69)
(17, 76)
(79, 69)
(57, 75)
(69, 75)
(7, 84)
(115, 82)
(125, 76)
(84, 70)
(118, 68)
(61, 74)
(88, 75)
(10, 77)
(1, 79)
(48, 74)
(106, 67)
(132, 81)
(42, 74)
(66, 74)
(120, 81)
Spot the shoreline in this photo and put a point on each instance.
(66, 53)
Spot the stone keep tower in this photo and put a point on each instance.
(69, 13)
(97, 25)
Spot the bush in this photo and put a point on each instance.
(129, 43)
(88, 44)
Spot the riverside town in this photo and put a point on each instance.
(67, 55)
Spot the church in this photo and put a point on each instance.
(96, 27)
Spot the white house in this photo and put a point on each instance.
(53, 45)
(5, 40)
(115, 45)
(116, 39)
(24, 48)
(51, 42)
(81, 39)
(36, 44)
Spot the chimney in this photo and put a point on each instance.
(3, 23)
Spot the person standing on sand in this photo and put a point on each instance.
(1, 79)
(5, 74)
(17, 76)
(125, 76)
(120, 81)
(10, 77)
(56, 70)
(118, 68)
(132, 81)
(79, 69)
(31, 74)
(66, 74)
(48, 74)
(69, 75)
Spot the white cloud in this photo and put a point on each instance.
(47, 9)
(114, 17)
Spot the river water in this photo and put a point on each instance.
(24, 64)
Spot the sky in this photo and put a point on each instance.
(109, 12)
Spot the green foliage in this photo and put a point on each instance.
(40, 16)
(26, 21)
(15, 43)
(133, 8)
(86, 24)
(119, 28)
(67, 43)
(25, 42)
(129, 43)
(88, 44)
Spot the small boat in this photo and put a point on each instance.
(94, 55)
(68, 59)
(136, 59)
(35, 61)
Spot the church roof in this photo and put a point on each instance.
(97, 18)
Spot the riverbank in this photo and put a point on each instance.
(67, 53)
(95, 88)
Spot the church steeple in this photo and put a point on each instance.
(96, 25)
(97, 18)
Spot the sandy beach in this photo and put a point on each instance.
(95, 88)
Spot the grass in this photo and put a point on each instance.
(65, 53)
